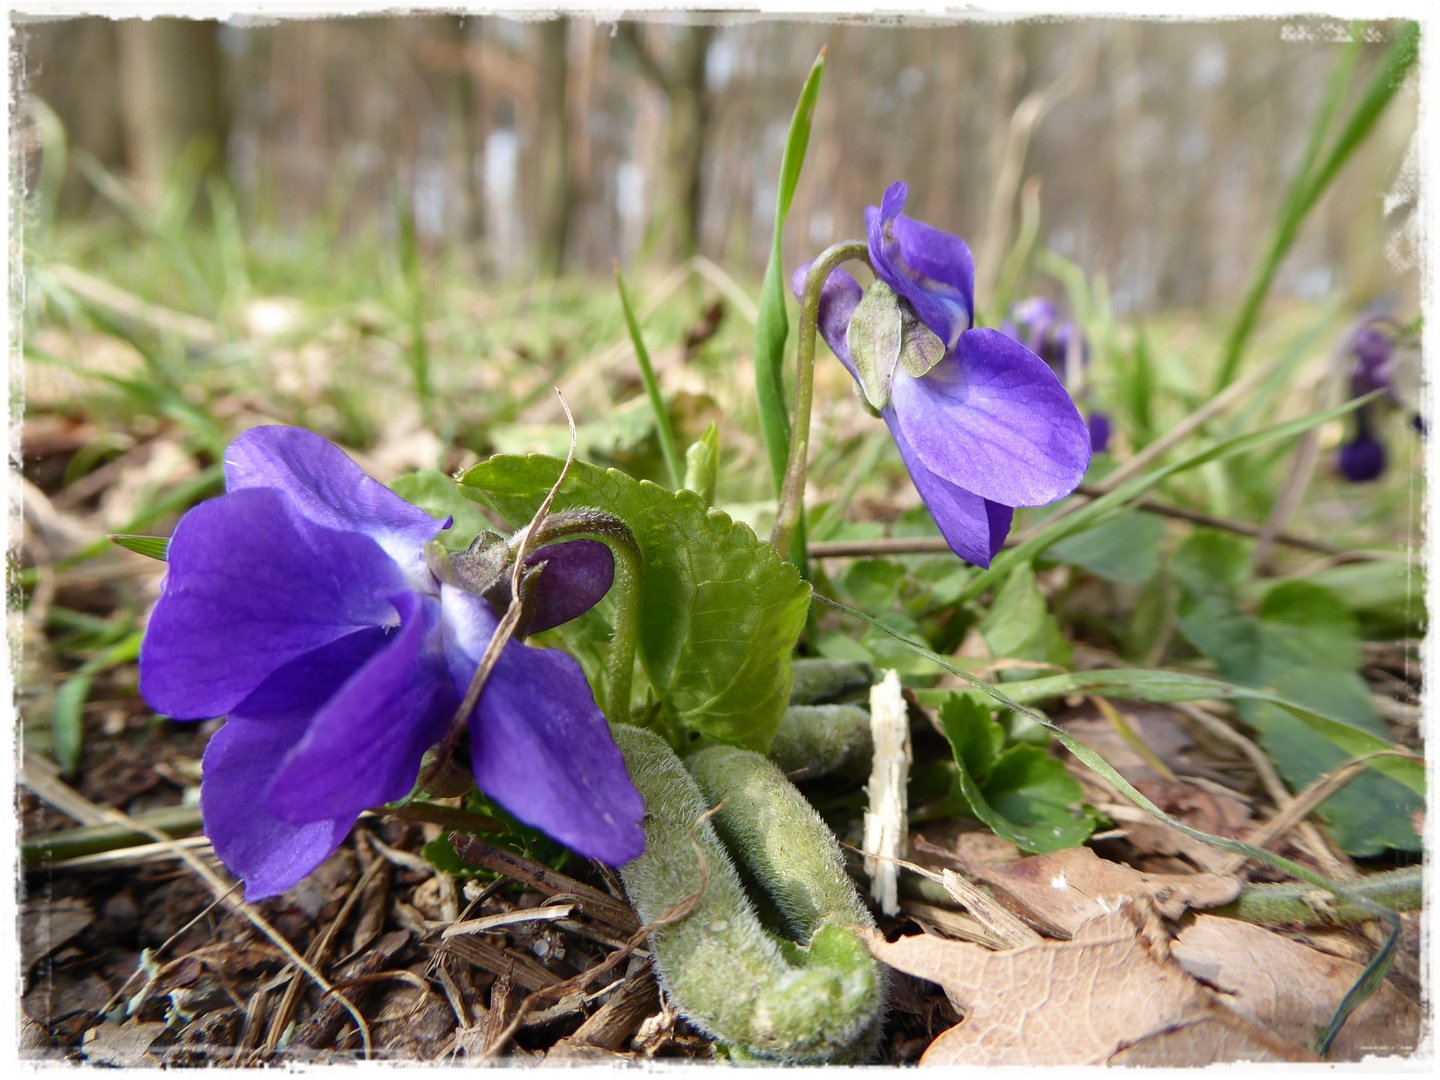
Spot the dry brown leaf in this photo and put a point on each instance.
(48, 924)
(1063, 890)
(1294, 990)
(1215, 1039)
(122, 1045)
(1079, 1002)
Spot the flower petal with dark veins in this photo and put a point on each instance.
(331, 490)
(993, 419)
(540, 746)
(839, 297)
(243, 757)
(252, 585)
(930, 268)
(975, 528)
(363, 747)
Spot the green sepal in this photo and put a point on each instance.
(152, 547)
(874, 337)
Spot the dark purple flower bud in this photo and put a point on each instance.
(1363, 457)
(300, 606)
(988, 427)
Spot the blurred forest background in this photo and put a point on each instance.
(1158, 149)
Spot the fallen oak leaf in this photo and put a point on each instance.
(1293, 989)
(1061, 891)
(1081, 1002)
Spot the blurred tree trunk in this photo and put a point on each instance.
(552, 148)
(88, 107)
(682, 80)
(170, 93)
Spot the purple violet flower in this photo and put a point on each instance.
(987, 426)
(1036, 324)
(299, 605)
(1362, 457)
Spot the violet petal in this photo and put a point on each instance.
(1362, 459)
(331, 490)
(944, 303)
(994, 420)
(363, 748)
(243, 757)
(975, 528)
(540, 745)
(1099, 425)
(269, 854)
(252, 585)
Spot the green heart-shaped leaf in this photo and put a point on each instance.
(721, 610)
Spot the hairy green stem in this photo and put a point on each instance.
(761, 997)
(818, 740)
(1306, 905)
(628, 587)
(817, 680)
(792, 491)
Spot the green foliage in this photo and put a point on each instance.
(702, 464)
(1107, 506)
(772, 326)
(1125, 550)
(652, 387)
(1302, 644)
(721, 612)
(67, 724)
(152, 547)
(1313, 176)
(762, 997)
(1021, 792)
(1019, 624)
(439, 496)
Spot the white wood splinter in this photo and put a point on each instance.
(886, 826)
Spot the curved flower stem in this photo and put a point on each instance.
(792, 491)
(609, 530)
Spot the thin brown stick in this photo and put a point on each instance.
(924, 545)
(1307, 835)
(1236, 391)
(1307, 455)
(316, 954)
(674, 914)
(1304, 804)
(220, 888)
(506, 628)
(164, 948)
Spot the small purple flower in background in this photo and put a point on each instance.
(1036, 324)
(1372, 350)
(982, 424)
(299, 605)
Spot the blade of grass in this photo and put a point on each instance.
(652, 388)
(1310, 183)
(772, 325)
(67, 721)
